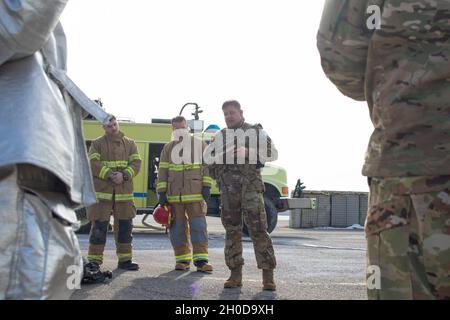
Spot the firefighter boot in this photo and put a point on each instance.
(235, 279)
(92, 273)
(204, 266)
(268, 281)
(182, 266)
(91, 268)
(128, 265)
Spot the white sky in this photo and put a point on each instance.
(147, 58)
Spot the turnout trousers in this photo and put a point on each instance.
(189, 223)
(100, 214)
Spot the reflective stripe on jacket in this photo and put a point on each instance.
(183, 182)
(114, 154)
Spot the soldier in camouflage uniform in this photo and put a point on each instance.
(401, 68)
(242, 191)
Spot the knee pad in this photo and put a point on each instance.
(125, 230)
(198, 229)
(98, 232)
(177, 232)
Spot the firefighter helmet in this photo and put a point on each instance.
(162, 214)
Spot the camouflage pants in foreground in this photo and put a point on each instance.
(408, 238)
(251, 208)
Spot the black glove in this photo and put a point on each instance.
(163, 198)
(206, 193)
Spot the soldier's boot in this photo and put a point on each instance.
(235, 279)
(268, 281)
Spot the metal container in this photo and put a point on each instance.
(295, 218)
(363, 207)
(352, 209)
(338, 211)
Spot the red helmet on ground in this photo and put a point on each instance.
(162, 214)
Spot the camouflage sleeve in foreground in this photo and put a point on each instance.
(343, 41)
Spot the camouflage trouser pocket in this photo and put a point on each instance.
(394, 200)
(386, 210)
(408, 238)
(231, 218)
(231, 212)
(388, 271)
(254, 212)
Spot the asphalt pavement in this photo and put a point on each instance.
(312, 264)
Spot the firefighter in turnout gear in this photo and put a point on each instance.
(115, 161)
(184, 183)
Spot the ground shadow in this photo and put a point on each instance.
(265, 295)
(230, 294)
(173, 285)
